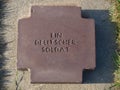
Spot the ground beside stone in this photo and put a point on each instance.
(97, 9)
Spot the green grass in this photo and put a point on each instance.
(117, 69)
(115, 17)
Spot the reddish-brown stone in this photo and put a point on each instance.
(56, 44)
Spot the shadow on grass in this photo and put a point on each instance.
(105, 47)
(3, 46)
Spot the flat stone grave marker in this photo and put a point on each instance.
(56, 44)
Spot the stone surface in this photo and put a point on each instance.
(56, 43)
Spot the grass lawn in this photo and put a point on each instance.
(115, 17)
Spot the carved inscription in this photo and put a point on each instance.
(56, 43)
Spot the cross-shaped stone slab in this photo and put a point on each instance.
(56, 44)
